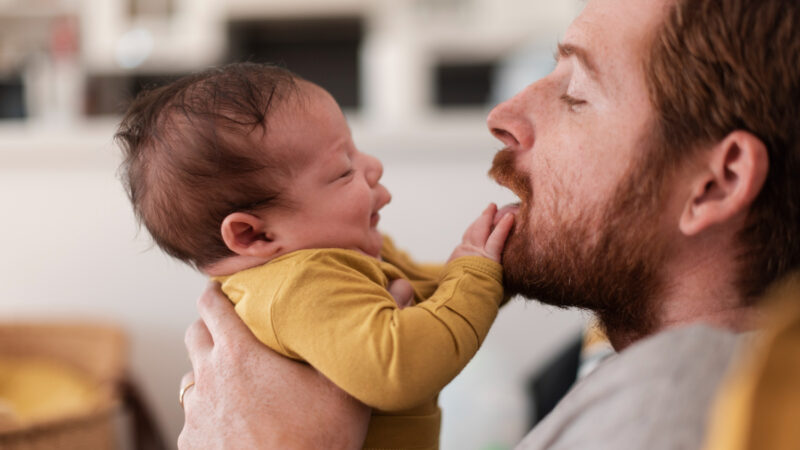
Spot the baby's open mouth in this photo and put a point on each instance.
(374, 219)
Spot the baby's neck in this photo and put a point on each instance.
(233, 264)
(238, 263)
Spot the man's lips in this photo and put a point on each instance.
(501, 212)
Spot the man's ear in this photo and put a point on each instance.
(248, 235)
(732, 175)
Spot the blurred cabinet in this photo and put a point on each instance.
(392, 61)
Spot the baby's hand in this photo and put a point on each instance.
(481, 240)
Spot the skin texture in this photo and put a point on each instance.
(578, 139)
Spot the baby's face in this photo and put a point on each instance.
(336, 195)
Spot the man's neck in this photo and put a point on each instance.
(699, 287)
(704, 287)
(735, 318)
(685, 311)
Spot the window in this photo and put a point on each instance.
(324, 51)
(463, 84)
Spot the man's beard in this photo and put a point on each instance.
(609, 260)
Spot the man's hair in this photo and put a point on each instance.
(722, 65)
(193, 153)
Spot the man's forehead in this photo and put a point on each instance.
(616, 33)
(617, 25)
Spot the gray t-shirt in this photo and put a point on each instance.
(654, 395)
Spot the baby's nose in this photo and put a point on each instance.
(374, 170)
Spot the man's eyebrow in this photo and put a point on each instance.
(584, 58)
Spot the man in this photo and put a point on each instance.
(657, 168)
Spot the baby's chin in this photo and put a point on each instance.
(373, 247)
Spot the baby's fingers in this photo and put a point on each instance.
(497, 239)
(478, 232)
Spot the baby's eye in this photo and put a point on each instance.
(346, 174)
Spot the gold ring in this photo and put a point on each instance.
(182, 393)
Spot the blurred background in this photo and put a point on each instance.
(416, 79)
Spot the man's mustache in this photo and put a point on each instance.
(504, 171)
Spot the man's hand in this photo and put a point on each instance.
(247, 396)
(481, 239)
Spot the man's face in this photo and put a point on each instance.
(576, 152)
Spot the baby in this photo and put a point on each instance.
(249, 173)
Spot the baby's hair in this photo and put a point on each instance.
(193, 154)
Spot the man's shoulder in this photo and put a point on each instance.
(672, 352)
(655, 394)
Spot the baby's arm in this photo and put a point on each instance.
(389, 358)
(249, 397)
(485, 237)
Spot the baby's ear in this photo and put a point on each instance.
(248, 235)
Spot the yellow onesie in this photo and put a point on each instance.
(330, 308)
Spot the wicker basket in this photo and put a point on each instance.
(98, 352)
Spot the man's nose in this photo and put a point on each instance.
(510, 122)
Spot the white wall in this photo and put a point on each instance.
(72, 251)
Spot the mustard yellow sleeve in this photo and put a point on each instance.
(412, 269)
(336, 315)
(758, 406)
